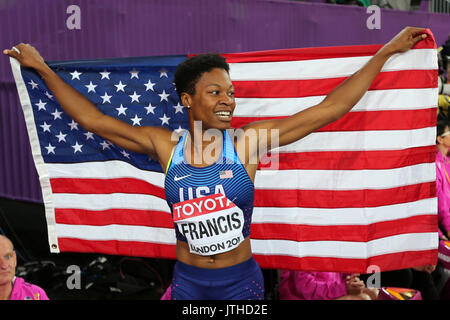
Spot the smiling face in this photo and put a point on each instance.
(213, 102)
(8, 261)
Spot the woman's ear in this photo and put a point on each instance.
(186, 100)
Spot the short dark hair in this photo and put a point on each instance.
(189, 71)
(441, 125)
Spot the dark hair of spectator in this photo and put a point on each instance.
(189, 71)
(441, 126)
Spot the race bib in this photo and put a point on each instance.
(211, 224)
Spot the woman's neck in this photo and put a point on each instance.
(443, 149)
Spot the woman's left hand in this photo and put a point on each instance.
(405, 40)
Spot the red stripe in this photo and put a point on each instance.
(358, 233)
(122, 248)
(406, 79)
(105, 186)
(149, 218)
(343, 199)
(349, 160)
(386, 262)
(317, 53)
(366, 120)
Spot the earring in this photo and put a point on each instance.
(188, 107)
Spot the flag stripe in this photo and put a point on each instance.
(410, 79)
(283, 179)
(368, 120)
(392, 261)
(358, 233)
(380, 100)
(148, 218)
(349, 160)
(106, 186)
(346, 179)
(316, 53)
(262, 215)
(348, 249)
(343, 216)
(423, 59)
(124, 248)
(343, 199)
(367, 140)
(118, 232)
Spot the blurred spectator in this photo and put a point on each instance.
(393, 4)
(443, 178)
(12, 287)
(303, 285)
(364, 3)
(444, 85)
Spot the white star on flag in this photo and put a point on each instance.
(150, 109)
(105, 74)
(48, 95)
(121, 110)
(136, 120)
(178, 108)
(134, 74)
(165, 119)
(76, 75)
(89, 135)
(105, 145)
(77, 147)
(33, 84)
(125, 154)
(57, 114)
(120, 86)
(50, 149)
(164, 96)
(163, 73)
(61, 137)
(46, 127)
(106, 97)
(149, 85)
(41, 105)
(91, 86)
(73, 125)
(135, 97)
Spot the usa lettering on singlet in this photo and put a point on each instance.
(211, 224)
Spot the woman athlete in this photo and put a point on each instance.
(212, 201)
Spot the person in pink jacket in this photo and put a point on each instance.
(305, 285)
(443, 178)
(12, 287)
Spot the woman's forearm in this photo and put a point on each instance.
(348, 93)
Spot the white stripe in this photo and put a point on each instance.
(378, 100)
(420, 59)
(117, 232)
(363, 140)
(104, 170)
(347, 179)
(345, 216)
(347, 249)
(109, 201)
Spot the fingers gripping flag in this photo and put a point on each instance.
(356, 193)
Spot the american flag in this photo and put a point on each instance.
(356, 193)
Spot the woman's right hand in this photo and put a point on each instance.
(28, 57)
